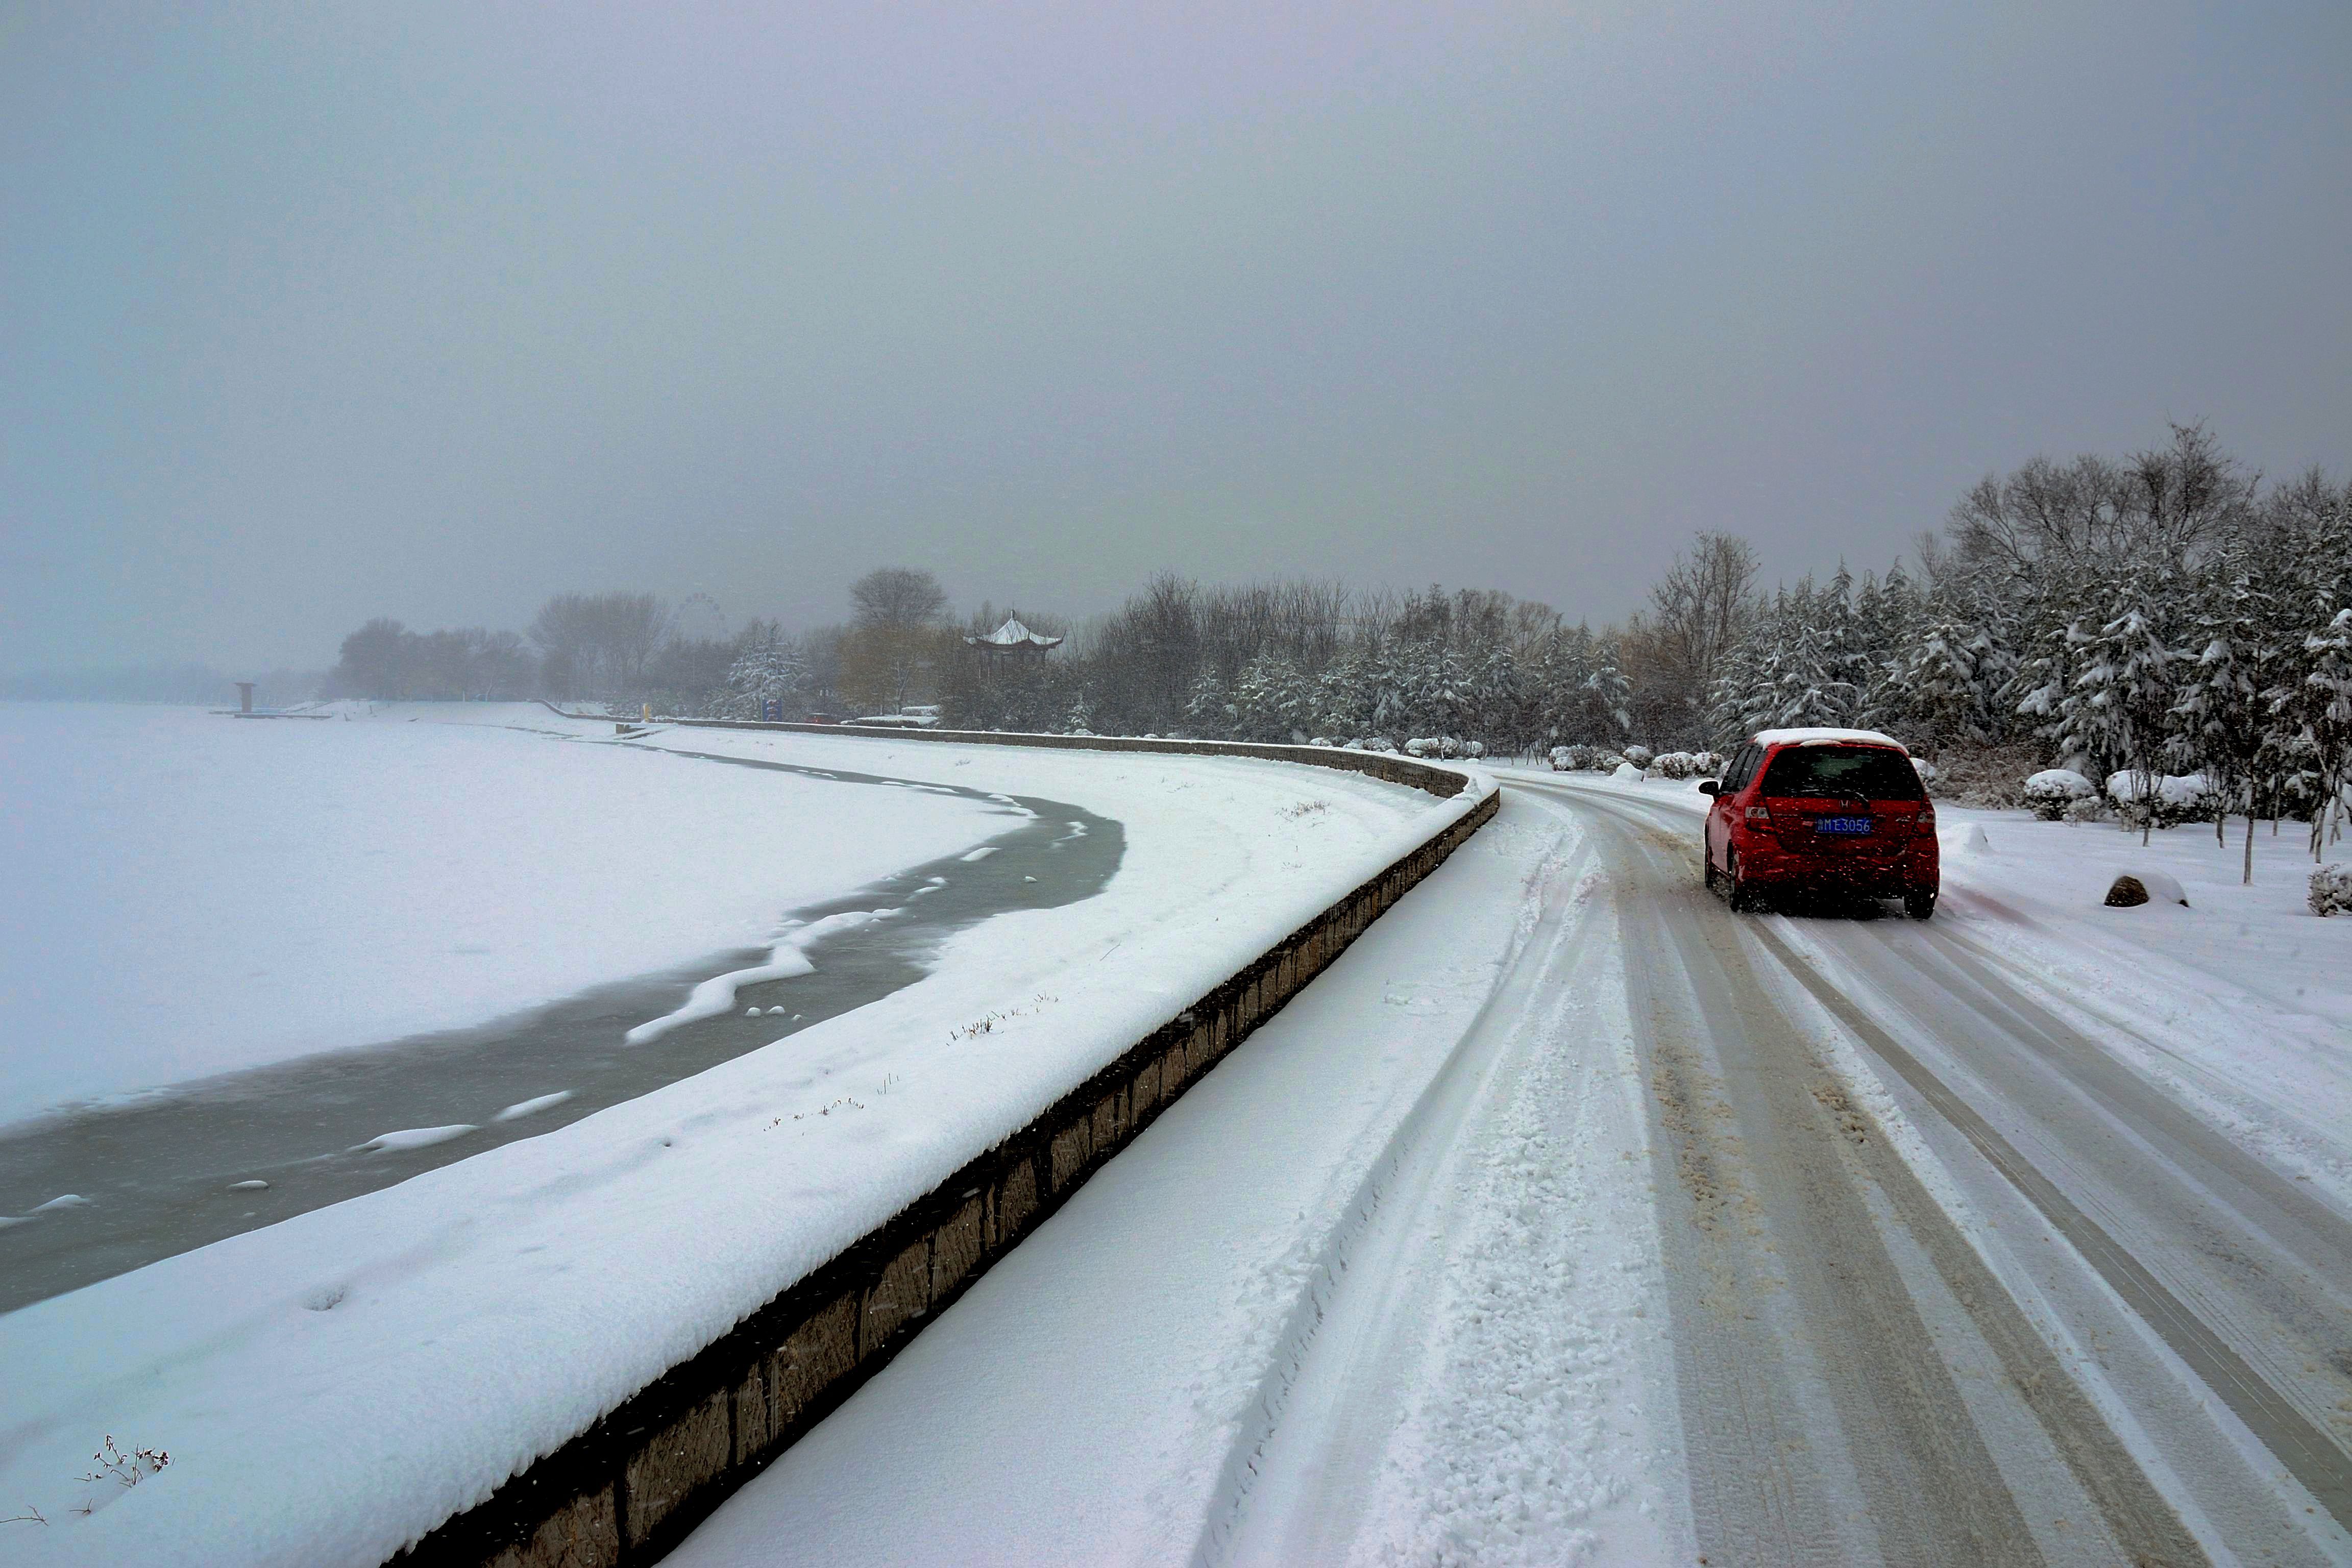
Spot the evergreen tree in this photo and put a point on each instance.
(2118, 709)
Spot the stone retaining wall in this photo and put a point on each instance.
(631, 1487)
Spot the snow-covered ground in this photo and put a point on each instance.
(332, 1386)
(190, 894)
(1386, 1279)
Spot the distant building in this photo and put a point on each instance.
(1013, 640)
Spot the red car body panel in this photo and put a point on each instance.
(1879, 842)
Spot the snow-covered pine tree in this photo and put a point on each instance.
(2312, 701)
(2119, 706)
(1848, 662)
(2222, 722)
(1208, 710)
(768, 670)
(1608, 694)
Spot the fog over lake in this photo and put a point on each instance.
(314, 313)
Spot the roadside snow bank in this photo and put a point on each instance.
(334, 1386)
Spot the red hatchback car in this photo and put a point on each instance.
(1824, 811)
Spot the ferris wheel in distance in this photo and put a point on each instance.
(698, 618)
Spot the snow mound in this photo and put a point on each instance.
(414, 1138)
(1627, 772)
(2146, 885)
(786, 960)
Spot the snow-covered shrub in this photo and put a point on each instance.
(1319, 740)
(1474, 748)
(1379, 743)
(2174, 799)
(1583, 759)
(2090, 808)
(2331, 889)
(1677, 764)
(2052, 790)
(1640, 756)
(1422, 746)
(1925, 770)
(1563, 758)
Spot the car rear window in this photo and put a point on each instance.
(1872, 772)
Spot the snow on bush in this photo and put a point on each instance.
(2331, 889)
(1676, 764)
(1379, 743)
(1474, 748)
(2052, 790)
(1583, 759)
(2090, 808)
(2176, 798)
(1925, 768)
(1640, 756)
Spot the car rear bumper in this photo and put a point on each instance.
(1850, 870)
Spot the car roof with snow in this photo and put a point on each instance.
(1825, 737)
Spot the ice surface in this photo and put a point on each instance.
(297, 888)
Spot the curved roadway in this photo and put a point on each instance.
(1665, 1232)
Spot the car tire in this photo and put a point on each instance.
(1919, 903)
(1745, 900)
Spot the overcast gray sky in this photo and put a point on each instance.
(311, 312)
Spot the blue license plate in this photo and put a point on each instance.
(1840, 824)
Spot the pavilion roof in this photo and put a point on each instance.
(1012, 633)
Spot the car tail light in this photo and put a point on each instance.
(1759, 813)
(1924, 826)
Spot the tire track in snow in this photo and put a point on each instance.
(1295, 1484)
(1833, 1327)
(2241, 1274)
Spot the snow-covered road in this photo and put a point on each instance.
(1570, 1218)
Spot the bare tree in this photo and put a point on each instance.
(599, 644)
(2159, 507)
(897, 598)
(1697, 611)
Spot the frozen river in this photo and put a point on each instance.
(178, 1169)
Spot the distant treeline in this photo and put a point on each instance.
(2167, 611)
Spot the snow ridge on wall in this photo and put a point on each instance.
(633, 1485)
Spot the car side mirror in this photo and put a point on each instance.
(1709, 787)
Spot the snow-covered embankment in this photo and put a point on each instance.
(635, 1309)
